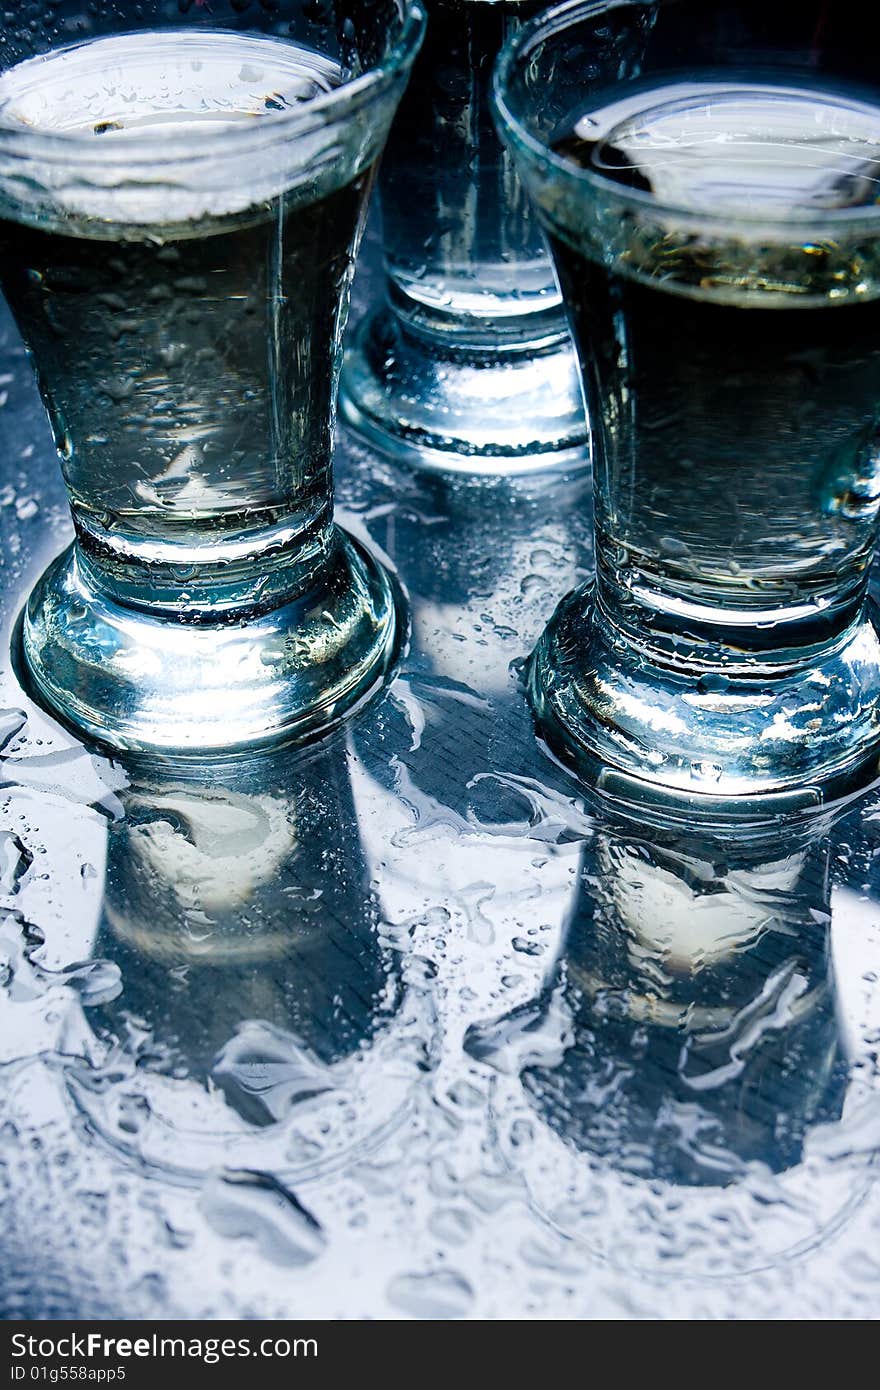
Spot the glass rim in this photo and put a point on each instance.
(552, 23)
(60, 147)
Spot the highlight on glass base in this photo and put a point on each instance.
(141, 680)
(446, 407)
(467, 366)
(717, 236)
(801, 734)
(180, 209)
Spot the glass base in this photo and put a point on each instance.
(507, 410)
(645, 733)
(138, 682)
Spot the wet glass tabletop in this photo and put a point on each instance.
(407, 1024)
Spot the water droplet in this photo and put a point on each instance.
(256, 1206)
(264, 1073)
(440, 1293)
(15, 860)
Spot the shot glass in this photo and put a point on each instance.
(709, 183)
(467, 365)
(182, 192)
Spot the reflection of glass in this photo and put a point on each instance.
(455, 835)
(468, 365)
(182, 198)
(684, 1052)
(709, 185)
(259, 1024)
